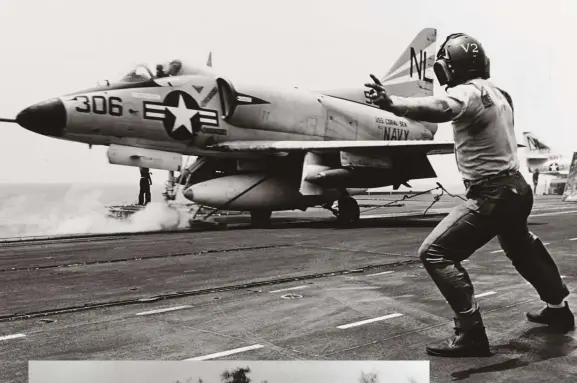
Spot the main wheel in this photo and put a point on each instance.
(260, 218)
(349, 211)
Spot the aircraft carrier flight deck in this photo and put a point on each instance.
(302, 289)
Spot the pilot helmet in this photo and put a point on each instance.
(174, 67)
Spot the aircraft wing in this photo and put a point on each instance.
(267, 147)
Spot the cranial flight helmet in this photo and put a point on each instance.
(461, 58)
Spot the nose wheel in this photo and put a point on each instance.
(348, 211)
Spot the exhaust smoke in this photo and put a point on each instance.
(79, 211)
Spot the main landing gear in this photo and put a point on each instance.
(260, 218)
(348, 211)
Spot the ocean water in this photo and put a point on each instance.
(53, 209)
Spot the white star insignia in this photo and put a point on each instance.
(182, 115)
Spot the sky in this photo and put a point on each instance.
(209, 371)
(50, 48)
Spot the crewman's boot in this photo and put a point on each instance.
(557, 318)
(470, 339)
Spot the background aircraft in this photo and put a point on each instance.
(258, 149)
(542, 157)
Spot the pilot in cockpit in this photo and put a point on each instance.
(174, 68)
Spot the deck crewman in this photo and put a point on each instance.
(499, 200)
(145, 182)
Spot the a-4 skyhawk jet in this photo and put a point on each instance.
(543, 158)
(259, 149)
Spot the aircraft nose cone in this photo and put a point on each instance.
(47, 118)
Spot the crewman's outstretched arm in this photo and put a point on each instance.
(431, 109)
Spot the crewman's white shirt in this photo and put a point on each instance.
(485, 142)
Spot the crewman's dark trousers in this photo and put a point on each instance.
(499, 207)
(144, 194)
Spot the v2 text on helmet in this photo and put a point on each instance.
(461, 58)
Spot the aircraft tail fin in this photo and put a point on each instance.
(535, 144)
(412, 74)
(209, 61)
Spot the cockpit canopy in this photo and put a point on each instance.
(138, 74)
(145, 72)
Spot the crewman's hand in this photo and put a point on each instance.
(378, 94)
